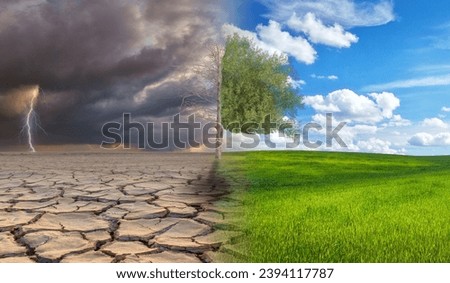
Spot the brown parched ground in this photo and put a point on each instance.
(114, 207)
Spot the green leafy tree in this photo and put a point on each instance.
(254, 85)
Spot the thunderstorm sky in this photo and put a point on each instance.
(95, 60)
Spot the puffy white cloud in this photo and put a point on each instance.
(434, 123)
(319, 104)
(359, 138)
(322, 22)
(295, 46)
(370, 120)
(386, 101)
(272, 39)
(421, 139)
(426, 139)
(442, 139)
(445, 109)
(376, 145)
(230, 30)
(295, 84)
(348, 13)
(317, 32)
(321, 77)
(348, 106)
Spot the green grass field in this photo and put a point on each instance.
(342, 207)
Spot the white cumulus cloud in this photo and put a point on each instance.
(426, 139)
(359, 138)
(376, 145)
(348, 106)
(387, 102)
(321, 22)
(295, 84)
(273, 39)
(370, 120)
(318, 33)
(434, 123)
(445, 109)
(295, 46)
(230, 30)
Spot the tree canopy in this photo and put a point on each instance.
(254, 84)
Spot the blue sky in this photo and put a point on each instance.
(381, 66)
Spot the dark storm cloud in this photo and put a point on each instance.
(93, 58)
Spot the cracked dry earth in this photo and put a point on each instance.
(113, 207)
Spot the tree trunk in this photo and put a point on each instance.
(219, 129)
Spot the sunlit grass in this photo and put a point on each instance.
(343, 207)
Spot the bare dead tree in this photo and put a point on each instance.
(206, 90)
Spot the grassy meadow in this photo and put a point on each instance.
(341, 207)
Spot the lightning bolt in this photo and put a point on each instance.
(29, 118)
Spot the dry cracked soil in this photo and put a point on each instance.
(114, 207)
